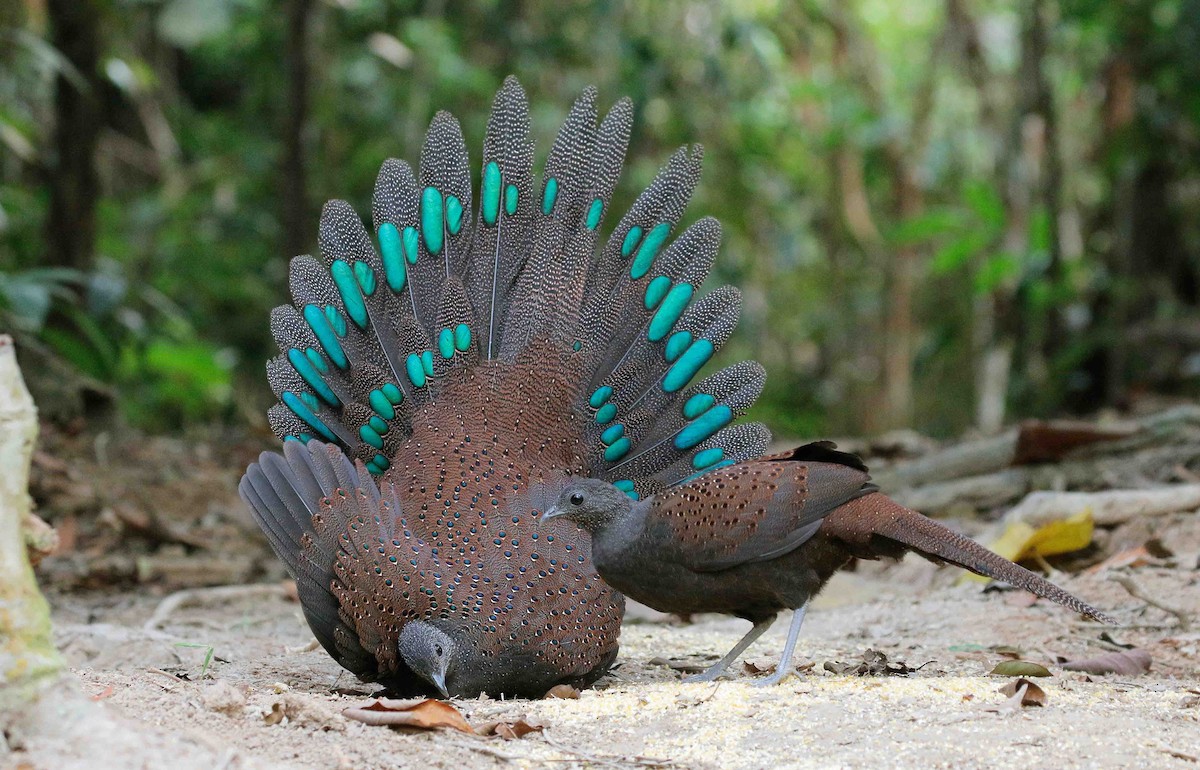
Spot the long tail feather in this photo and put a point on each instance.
(879, 516)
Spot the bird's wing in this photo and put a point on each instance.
(758, 510)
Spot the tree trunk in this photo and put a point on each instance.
(297, 224)
(27, 655)
(74, 185)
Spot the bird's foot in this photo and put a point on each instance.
(780, 674)
(711, 675)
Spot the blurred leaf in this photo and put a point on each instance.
(187, 23)
(919, 229)
(985, 201)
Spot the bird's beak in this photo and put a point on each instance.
(439, 681)
(552, 512)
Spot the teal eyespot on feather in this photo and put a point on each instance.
(378, 425)
(318, 321)
(372, 468)
(380, 403)
(656, 290)
(336, 321)
(632, 238)
(606, 413)
(625, 485)
(618, 450)
(649, 249)
(612, 433)
(577, 346)
(392, 250)
(432, 219)
(411, 244)
(392, 393)
(298, 407)
(694, 476)
(365, 277)
(382, 462)
(600, 396)
(510, 199)
(303, 366)
(708, 457)
(427, 362)
(368, 434)
(310, 401)
(703, 427)
(454, 214)
(446, 343)
(682, 371)
(415, 370)
(698, 405)
(347, 286)
(676, 344)
(594, 212)
(490, 193)
(668, 313)
(549, 196)
(315, 359)
(462, 338)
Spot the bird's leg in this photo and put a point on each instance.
(785, 661)
(719, 667)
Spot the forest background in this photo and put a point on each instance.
(944, 214)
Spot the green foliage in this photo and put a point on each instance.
(804, 108)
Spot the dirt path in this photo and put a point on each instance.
(947, 714)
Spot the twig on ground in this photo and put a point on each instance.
(200, 595)
(1137, 592)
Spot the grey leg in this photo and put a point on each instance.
(785, 661)
(719, 667)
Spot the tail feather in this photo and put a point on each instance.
(542, 300)
(503, 229)
(932, 540)
(445, 182)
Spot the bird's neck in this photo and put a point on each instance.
(618, 535)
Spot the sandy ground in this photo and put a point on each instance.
(947, 714)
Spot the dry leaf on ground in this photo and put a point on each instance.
(414, 713)
(1022, 692)
(873, 663)
(1127, 663)
(509, 731)
(1019, 668)
(563, 692)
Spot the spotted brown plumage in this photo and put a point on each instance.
(765, 535)
(442, 377)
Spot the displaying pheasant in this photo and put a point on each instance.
(766, 535)
(442, 382)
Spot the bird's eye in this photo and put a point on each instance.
(577, 499)
(438, 650)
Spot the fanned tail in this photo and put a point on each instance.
(375, 329)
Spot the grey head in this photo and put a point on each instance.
(591, 503)
(430, 652)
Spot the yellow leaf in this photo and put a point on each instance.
(1020, 540)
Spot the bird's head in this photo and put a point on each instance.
(591, 503)
(430, 653)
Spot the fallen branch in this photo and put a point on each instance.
(1108, 508)
(1137, 592)
(188, 596)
